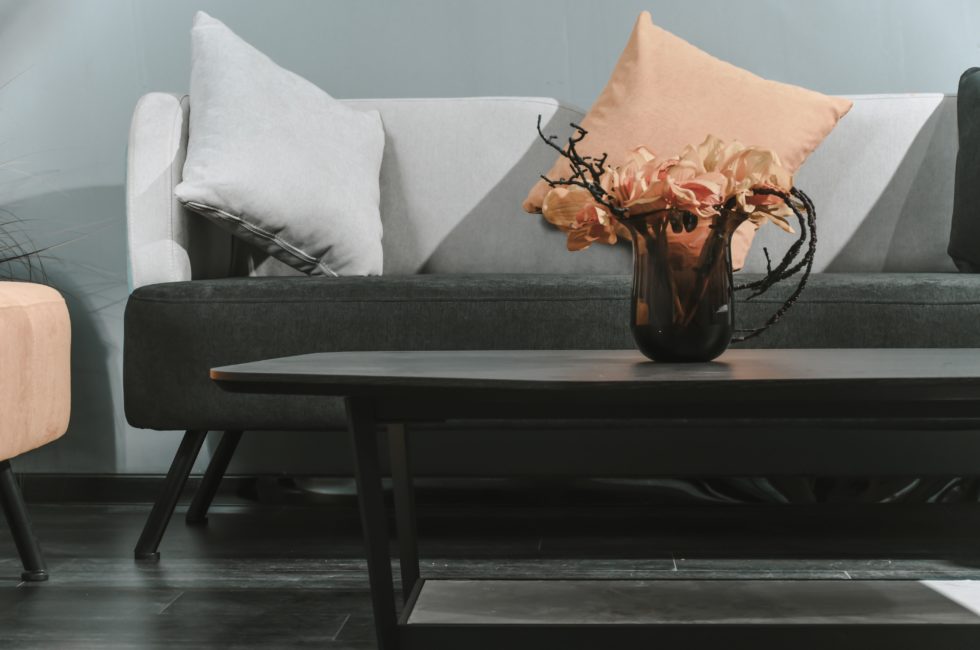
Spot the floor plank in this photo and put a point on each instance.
(260, 576)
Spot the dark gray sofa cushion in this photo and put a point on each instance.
(964, 238)
(872, 310)
(176, 332)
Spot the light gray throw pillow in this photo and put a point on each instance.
(279, 162)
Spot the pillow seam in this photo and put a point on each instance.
(261, 232)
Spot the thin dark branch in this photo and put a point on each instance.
(808, 226)
(587, 171)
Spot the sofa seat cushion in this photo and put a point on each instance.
(871, 310)
(176, 332)
(35, 376)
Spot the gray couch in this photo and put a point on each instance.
(465, 268)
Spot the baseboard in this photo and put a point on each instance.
(309, 490)
(551, 495)
(265, 489)
(123, 488)
(280, 489)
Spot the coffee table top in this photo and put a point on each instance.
(342, 373)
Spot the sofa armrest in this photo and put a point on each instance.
(165, 242)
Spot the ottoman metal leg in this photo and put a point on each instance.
(197, 513)
(20, 526)
(163, 509)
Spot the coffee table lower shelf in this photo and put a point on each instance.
(733, 614)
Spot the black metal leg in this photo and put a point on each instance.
(20, 526)
(401, 478)
(197, 513)
(374, 519)
(163, 509)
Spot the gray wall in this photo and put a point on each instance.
(75, 68)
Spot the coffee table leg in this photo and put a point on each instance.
(374, 519)
(401, 477)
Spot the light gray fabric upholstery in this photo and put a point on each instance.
(166, 243)
(454, 174)
(278, 162)
(882, 183)
(455, 171)
(438, 214)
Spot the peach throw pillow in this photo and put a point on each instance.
(666, 94)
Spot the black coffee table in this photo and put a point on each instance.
(927, 401)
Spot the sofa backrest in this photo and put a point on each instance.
(454, 174)
(882, 183)
(456, 170)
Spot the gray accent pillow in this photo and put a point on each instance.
(279, 162)
(964, 238)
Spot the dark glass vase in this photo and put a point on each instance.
(683, 299)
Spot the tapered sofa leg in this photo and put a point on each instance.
(20, 526)
(198, 512)
(163, 509)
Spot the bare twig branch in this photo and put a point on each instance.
(799, 203)
(587, 171)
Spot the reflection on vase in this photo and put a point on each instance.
(683, 300)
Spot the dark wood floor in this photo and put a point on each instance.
(287, 575)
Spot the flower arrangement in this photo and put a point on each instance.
(700, 181)
(721, 184)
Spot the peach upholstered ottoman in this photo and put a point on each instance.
(35, 394)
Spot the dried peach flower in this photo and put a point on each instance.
(702, 180)
(574, 211)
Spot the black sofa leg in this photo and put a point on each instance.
(197, 513)
(20, 526)
(163, 509)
